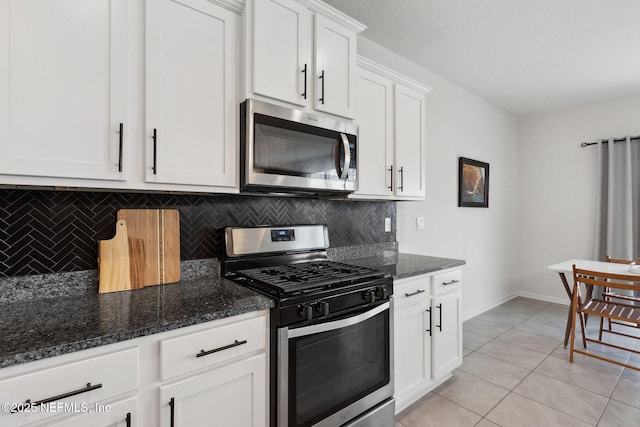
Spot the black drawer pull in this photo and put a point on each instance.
(172, 408)
(85, 389)
(439, 306)
(430, 321)
(321, 77)
(450, 283)
(391, 170)
(155, 151)
(236, 343)
(120, 143)
(304, 94)
(419, 291)
(128, 419)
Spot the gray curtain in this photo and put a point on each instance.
(617, 231)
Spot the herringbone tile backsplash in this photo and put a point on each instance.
(55, 231)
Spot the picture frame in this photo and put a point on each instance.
(473, 183)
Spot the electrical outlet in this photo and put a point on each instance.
(387, 225)
(420, 223)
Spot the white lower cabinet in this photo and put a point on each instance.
(213, 373)
(123, 413)
(427, 333)
(447, 334)
(232, 395)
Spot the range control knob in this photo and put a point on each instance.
(381, 293)
(323, 308)
(370, 295)
(306, 311)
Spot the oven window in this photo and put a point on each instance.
(330, 370)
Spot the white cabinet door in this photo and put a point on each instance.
(282, 51)
(335, 68)
(191, 108)
(232, 395)
(123, 413)
(447, 334)
(412, 351)
(374, 115)
(63, 88)
(409, 180)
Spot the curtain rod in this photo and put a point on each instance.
(633, 138)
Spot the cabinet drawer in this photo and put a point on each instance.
(447, 281)
(206, 348)
(68, 388)
(408, 290)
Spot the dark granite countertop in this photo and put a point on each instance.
(35, 329)
(51, 315)
(400, 265)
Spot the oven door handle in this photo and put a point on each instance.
(342, 323)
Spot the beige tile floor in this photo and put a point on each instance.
(516, 372)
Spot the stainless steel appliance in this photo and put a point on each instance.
(291, 151)
(331, 328)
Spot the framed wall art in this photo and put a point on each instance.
(473, 183)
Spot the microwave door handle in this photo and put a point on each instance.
(347, 157)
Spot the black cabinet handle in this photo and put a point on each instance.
(304, 71)
(120, 143)
(440, 318)
(401, 172)
(128, 419)
(236, 343)
(419, 291)
(450, 283)
(172, 407)
(430, 321)
(321, 99)
(85, 389)
(155, 151)
(391, 170)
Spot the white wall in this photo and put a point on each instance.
(460, 124)
(557, 186)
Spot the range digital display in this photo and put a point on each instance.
(283, 235)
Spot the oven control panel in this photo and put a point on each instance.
(333, 305)
(283, 235)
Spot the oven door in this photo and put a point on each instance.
(332, 372)
(284, 149)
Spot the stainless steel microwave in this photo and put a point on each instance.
(291, 151)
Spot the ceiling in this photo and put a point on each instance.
(526, 56)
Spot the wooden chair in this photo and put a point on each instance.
(608, 294)
(604, 307)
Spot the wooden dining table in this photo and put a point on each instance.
(566, 267)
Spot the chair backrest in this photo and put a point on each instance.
(607, 280)
(618, 261)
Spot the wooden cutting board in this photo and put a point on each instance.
(151, 255)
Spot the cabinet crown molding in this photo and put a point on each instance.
(234, 6)
(381, 70)
(334, 14)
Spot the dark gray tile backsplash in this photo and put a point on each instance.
(55, 231)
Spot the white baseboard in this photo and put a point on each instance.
(474, 313)
(494, 304)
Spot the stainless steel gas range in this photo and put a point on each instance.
(331, 328)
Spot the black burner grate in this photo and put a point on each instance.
(292, 278)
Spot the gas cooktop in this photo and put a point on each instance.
(307, 276)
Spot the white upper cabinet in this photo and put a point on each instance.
(299, 51)
(409, 179)
(335, 68)
(190, 93)
(391, 118)
(375, 134)
(63, 88)
(282, 51)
